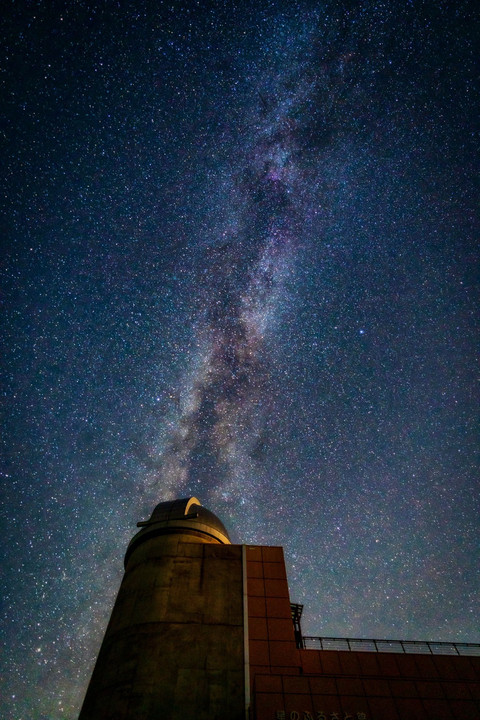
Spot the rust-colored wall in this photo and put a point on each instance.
(291, 684)
(372, 686)
(270, 628)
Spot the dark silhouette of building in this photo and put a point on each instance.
(203, 629)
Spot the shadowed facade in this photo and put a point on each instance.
(203, 629)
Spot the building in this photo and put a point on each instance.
(205, 630)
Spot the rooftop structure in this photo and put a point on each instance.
(205, 630)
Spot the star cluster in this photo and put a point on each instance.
(241, 265)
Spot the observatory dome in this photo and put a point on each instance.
(187, 517)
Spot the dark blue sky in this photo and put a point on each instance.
(241, 264)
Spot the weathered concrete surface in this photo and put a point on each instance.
(173, 649)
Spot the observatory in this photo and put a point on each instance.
(174, 645)
(204, 630)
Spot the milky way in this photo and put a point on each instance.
(241, 264)
(276, 188)
(224, 412)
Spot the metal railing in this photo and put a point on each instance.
(391, 646)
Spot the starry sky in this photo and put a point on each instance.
(241, 264)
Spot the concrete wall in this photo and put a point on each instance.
(173, 649)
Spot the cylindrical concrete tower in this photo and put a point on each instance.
(173, 648)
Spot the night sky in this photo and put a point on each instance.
(241, 264)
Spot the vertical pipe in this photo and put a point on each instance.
(245, 634)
